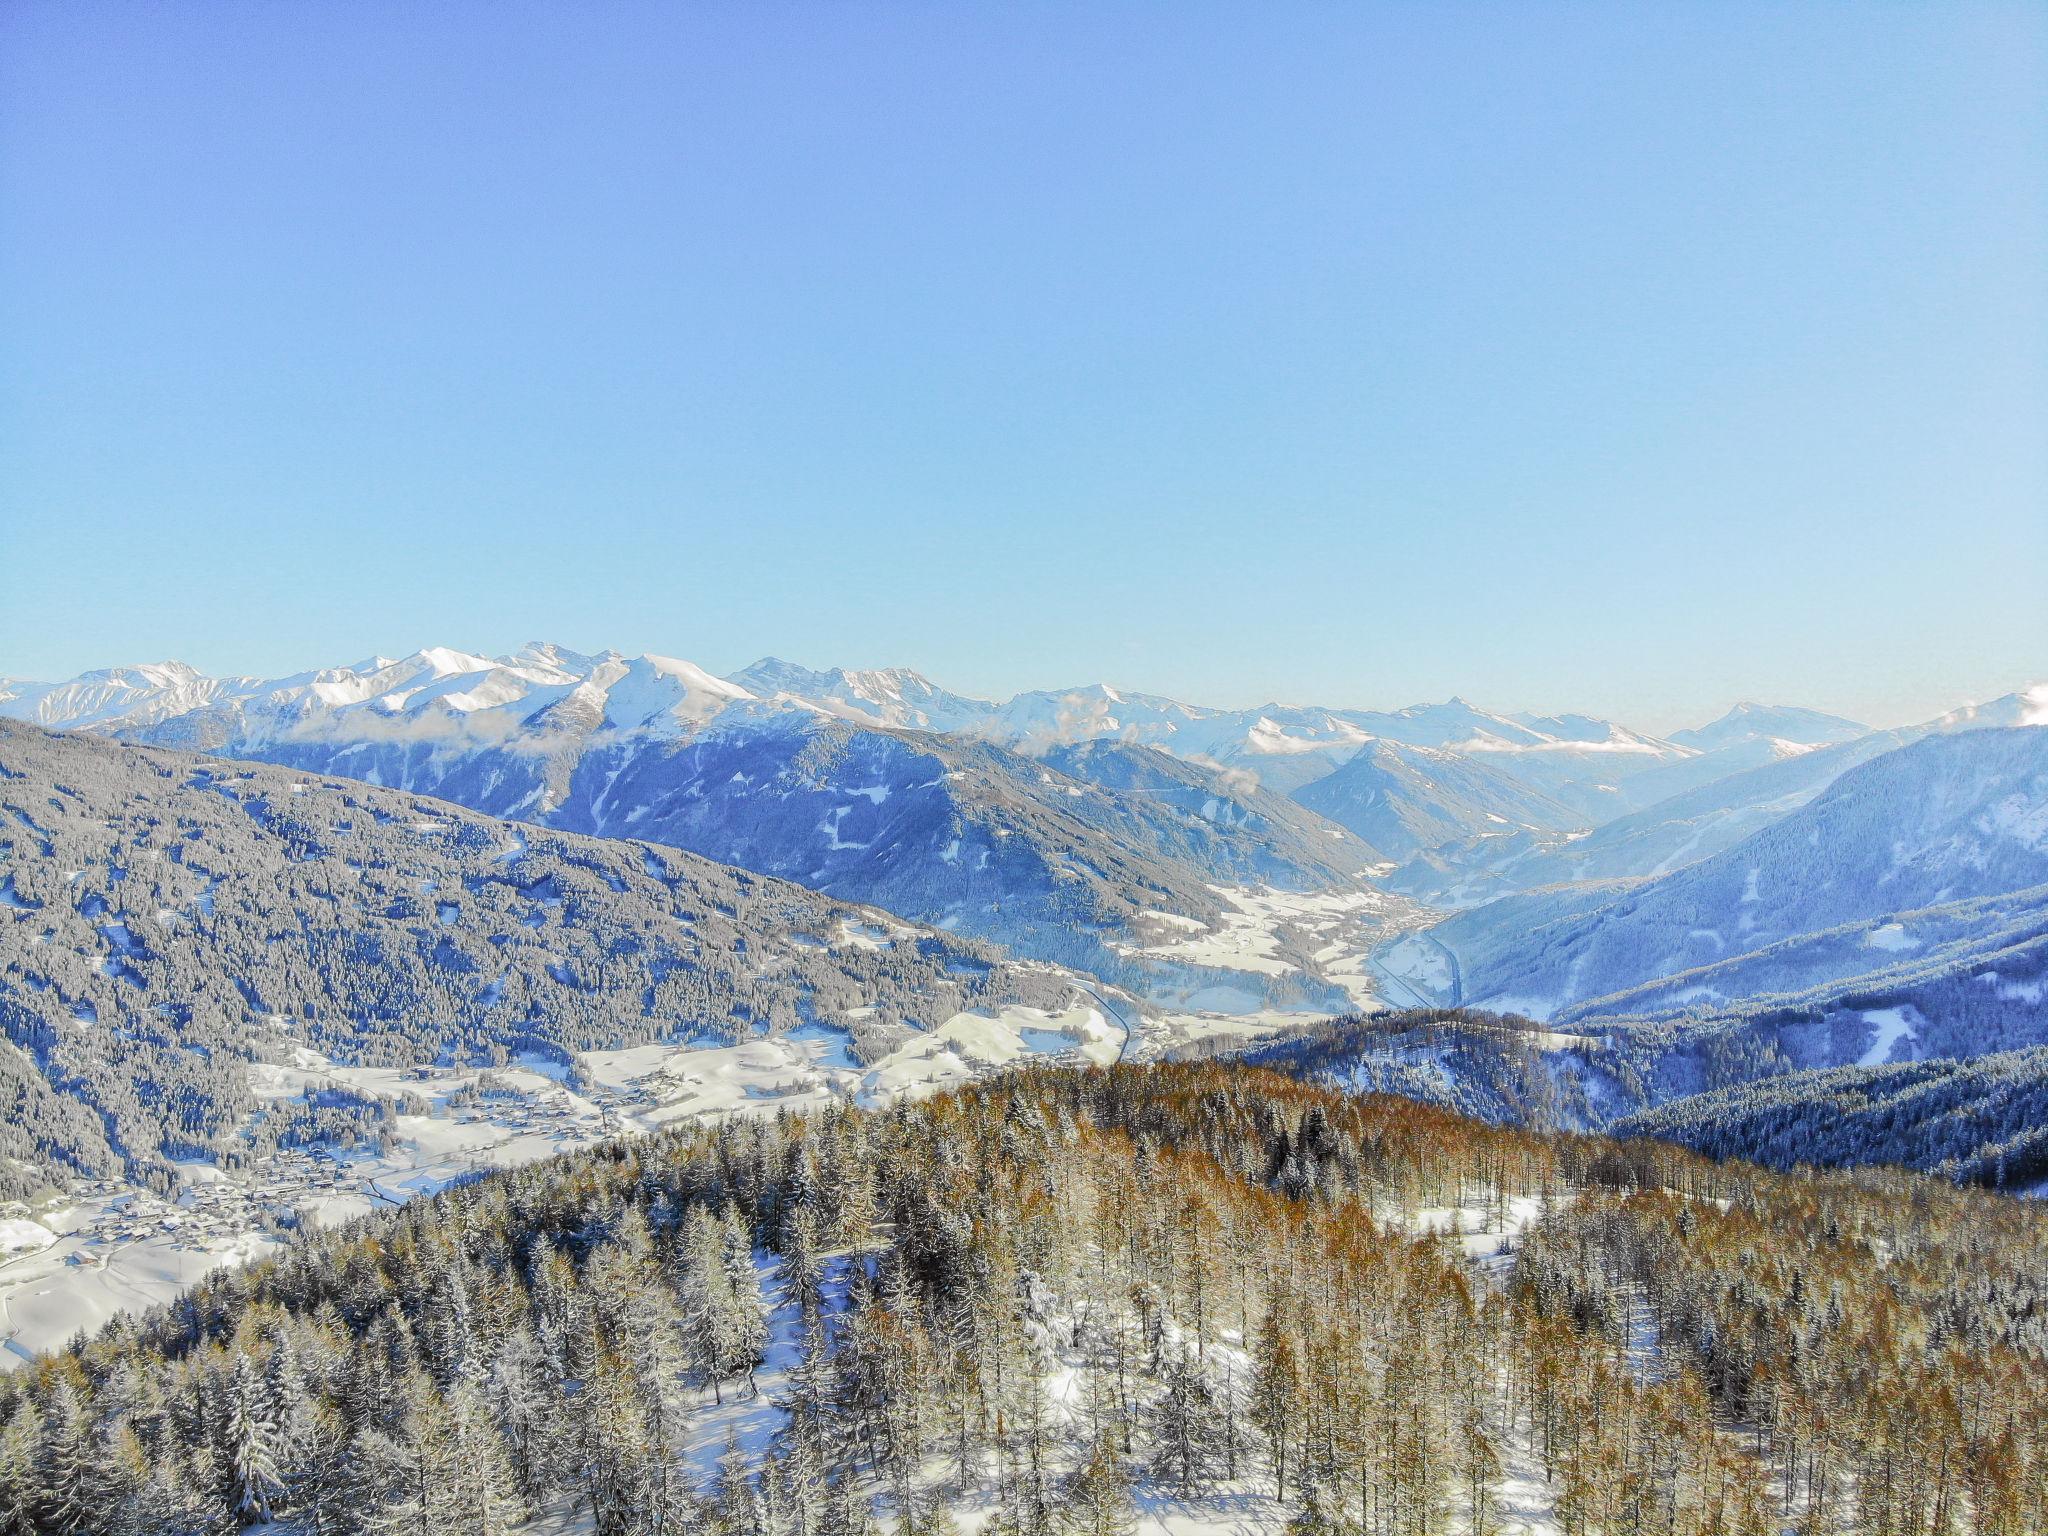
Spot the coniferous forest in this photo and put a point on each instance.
(1044, 1301)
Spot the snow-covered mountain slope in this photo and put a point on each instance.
(118, 696)
(946, 829)
(514, 734)
(895, 697)
(1700, 822)
(1570, 758)
(1749, 736)
(2027, 706)
(438, 699)
(169, 922)
(1720, 804)
(1232, 801)
(961, 832)
(1503, 1070)
(1406, 800)
(1045, 718)
(1787, 724)
(1982, 1121)
(789, 776)
(1924, 829)
(1972, 986)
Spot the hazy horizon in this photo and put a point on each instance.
(714, 661)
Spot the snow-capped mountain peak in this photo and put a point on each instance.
(1750, 722)
(143, 693)
(895, 697)
(545, 655)
(2027, 706)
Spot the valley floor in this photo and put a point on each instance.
(73, 1263)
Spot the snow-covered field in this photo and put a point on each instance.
(72, 1264)
(77, 1279)
(1325, 936)
(1419, 967)
(1891, 1025)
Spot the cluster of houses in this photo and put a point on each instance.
(210, 1210)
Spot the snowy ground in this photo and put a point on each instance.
(1524, 1503)
(73, 1264)
(1890, 1026)
(1418, 968)
(110, 1248)
(1324, 936)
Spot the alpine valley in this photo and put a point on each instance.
(566, 1091)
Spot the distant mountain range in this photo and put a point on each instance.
(1776, 892)
(440, 693)
(1065, 824)
(1894, 857)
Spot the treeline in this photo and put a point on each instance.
(1044, 1298)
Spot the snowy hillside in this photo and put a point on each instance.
(1981, 1121)
(1407, 800)
(1196, 1300)
(1785, 725)
(1925, 829)
(895, 697)
(1698, 823)
(174, 927)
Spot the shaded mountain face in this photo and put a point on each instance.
(1698, 823)
(1409, 800)
(950, 830)
(962, 833)
(166, 920)
(1916, 849)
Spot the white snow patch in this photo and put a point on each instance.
(1893, 1025)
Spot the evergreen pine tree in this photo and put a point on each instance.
(251, 1448)
(1097, 1498)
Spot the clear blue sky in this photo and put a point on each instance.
(1630, 358)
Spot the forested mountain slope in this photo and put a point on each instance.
(1888, 860)
(1499, 1068)
(948, 829)
(1410, 800)
(1945, 1072)
(1982, 1121)
(1034, 1305)
(168, 920)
